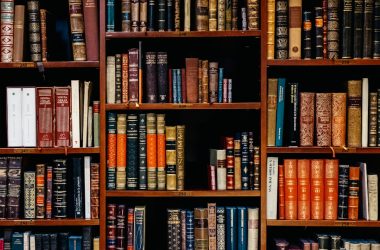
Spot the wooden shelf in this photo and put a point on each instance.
(324, 62)
(322, 223)
(15, 151)
(322, 150)
(49, 222)
(188, 193)
(50, 65)
(184, 34)
(187, 106)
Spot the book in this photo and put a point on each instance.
(90, 10)
(281, 193)
(161, 152)
(295, 18)
(132, 152)
(253, 9)
(120, 225)
(307, 107)
(28, 121)
(364, 190)
(118, 79)
(238, 179)
(3, 186)
(372, 120)
(183, 228)
(338, 119)
(211, 223)
(272, 182)
(49, 192)
(272, 110)
(280, 112)
(174, 229)
(7, 30)
(376, 30)
(201, 12)
(242, 228)
(29, 194)
(40, 191)
(43, 25)
(331, 189)
(364, 112)
(14, 119)
(192, 79)
(94, 191)
(372, 196)
(78, 187)
(318, 24)
(358, 28)
(121, 151)
(307, 42)
(292, 109)
(353, 192)
(181, 158)
(218, 158)
(75, 242)
(77, 30)
(111, 78)
(18, 39)
(354, 95)
(367, 28)
(171, 158)
(187, 15)
(75, 114)
(220, 227)
(347, 27)
(230, 165)
(317, 189)
(60, 188)
(333, 25)
(133, 73)
(110, 9)
(124, 77)
(231, 228)
(62, 116)
(221, 12)
(253, 228)
(290, 177)
(139, 228)
(142, 152)
(271, 13)
(33, 10)
(281, 33)
(151, 138)
(343, 192)
(303, 190)
(151, 81)
(323, 119)
(111, 150)
(13, 188)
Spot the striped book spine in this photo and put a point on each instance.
(111, 226)
(118, 77)
(125, 15)
(34, 30)
(244, 161)
(151, 139)
(111, 150)
(121, 151)
(120, 226)
(189, 230)
(7, 30)
(229, 143)
(281, 42)
(180, 147)
(161, 152)
(3, 185)
(132, 152)
(40, 191)
(29, 195)
(142, 152)
(171, 158)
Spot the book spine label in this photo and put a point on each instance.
(45, 114)
(318, 32)
(118, 79)
(62, 117)
(317, 189)
(358, 28)
(343, 192)
(295, 23)
(367, 29)
(338, 123)
(323, 119)
(161, 15)
(353, 193)
(332, 29)
(272, 182)
(180, 157)
(354, 96)
(18, 41)
(40, 191)
(133, 67)
(307, 26)
(303, 178)
(126, 14)
(271, 9)
(162, 76)
(110, 5)
(376, 30)
(307, 107)
(111, 150)
(272, 110)
(161, 152)
(90, 13)
(229, 142)
(238, 163)
(221, 228)
(331, 187)
(281, 29)
(132, 152)
(142, 152)
(29, 195)
(290, 175)
(280, 112)
(49, 192)
(151, 81)
(151, 138)
(372, 137)
(77, 30)
(201, 12)
(347, 30)
(7, 30)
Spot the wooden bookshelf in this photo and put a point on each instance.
(324, 62)
(49, 223)
(322, 223)
(49, 151)
(51, 65)
(187, 193)
(184, 106)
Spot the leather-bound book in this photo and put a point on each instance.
(354, 116)
(142, 152)
(307, 107)
(111, 150)
(323, 119)
(171, 158)
(44, 49)
(234, 17)
(333, 29)
(317, 189)
(292, 104)
(124, 78)
(133, 72)
(200, 72)
(303, 179)
(212, 14)
(177, 15)
(183, 228)
(90, 13)
(62, 116)
(347, 29)
(7, 30)
(29, 194)
(49, 192)
(187, 15)
(307, 27)
(130, 228)
(174, 229)
(343, 192)
(18, 41)
(331, 189)
(135, 11)
(200, 228)
(3, 186)
(45, 111)
(295, 27)
(358, 29)
(151, 139)
(162, 76)
(372, 129)
(120, 226)
(192, 79)
(220, 227)
(271, 10)
(378, 117)
(33, 8)
(325, 28)
(238, 162)
(338, 119)
(40, 191)
(221, 15)
(213, 82)
(353, 192)
(373, 191)
(118, 78)
(161, 153)
(151, 80)
(201, 12)
(205, 81)
(244, 173)
(126, 15)
(111, 226)
(211, 223)
(272, 111)
(143, 17)
(151, 15)
(281, 29)
(161, 15)
(121, 151)
(94, 189)
(110, 6)
(132, 152)
(228, 14)
(229, 145)
(111, 84)
(77, 30)
(60, 189)
(181, 157)
(290, 177)
(318, 23)
(281, 193)
(376, 30)
(367, 29)
(253, 9)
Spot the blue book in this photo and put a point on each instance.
(244, 161)
(280, 112)
(132, 152)
(142, 152)
(139, 228)
(17, 241)
(231, 226)
(220, 228)
(174, 83)
(75, 242)
(110, 15)
(179, 86)
(242, 228)
(220, 85)
(189, 230)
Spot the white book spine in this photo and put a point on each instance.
(90, 131)
(373, 196)
(221, 170)
(32, 242)
(14, 113)
(26, 237)
(365, 113)
(364, 198)
(111, 92)
(85, 112)
(253, 229)
(75, 115)
(272, 187)
(87, 187)
(29, 131)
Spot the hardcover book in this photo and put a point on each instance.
(317, 189)
(338, 119)
(323, 119)
(161, 152)
(331, 188)
(282, 33)
(77, 30)
(354, 116)
(290, 175)
(303, 192)
(307, 107)
(295, 26)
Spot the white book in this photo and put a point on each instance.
(29, 131)
(86, 100)
(365, 113)
(253, 229)
(75, 115)
(111, 82)
(272, 187)
(14, 113)
(26, 237)
(364, 199)
(87, 187)
(89, 129)
(32, 242)
(373, 196)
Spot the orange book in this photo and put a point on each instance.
(317, 189)
(281, 193)
(151, 150)
(303, 179)
(290, 173)
(353, 193)
(331, 189)
(161, 152)
(121, 151)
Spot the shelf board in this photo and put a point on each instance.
(187, 193)
(16, 151)
(178, 106)
(324, 62)
(52, 64)
(322, 150)
(49, 222)
(322, 223)
(183, 34)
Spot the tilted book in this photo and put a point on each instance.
(364, 190)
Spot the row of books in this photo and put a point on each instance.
(320, 189)
(41, 31)
(214, 227)
(125, 227)
(210, 15)
(144, 153)
(45, 190)
(200, 81)
(322, 119)
(49, 241)
(334, 29)
(52, 116)
(237, 165)
(326, 241)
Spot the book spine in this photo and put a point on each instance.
(295, 24)
(200, 228)
(338, 119)
(132, 152)
(242, 228)
(272, 182)
(200, 72)
(281, 193)
(124, 78)
(152, 151)
(130, 229)
(331, 187)
(354, 96)
(78, 187)
(174, 229)
(135, 11)
(307, 26)
(303, 176)
(17, 241)
(253, 9)
(253, 228)
(272, 110)
(120, 226)
(40, 191)
(133, 71)
(169, 15)
(293, 103)
(243, 174)
(353, 193)
(183, 229)
(111, 226)
(290, 175)
(62, 117)
(111, 150)
(45, 111)
(171, 158)
(18, 42)
(231, 228)
(211, 223)
(347, 30)
(126, 15)
(243, 14)
(118, 79)
(221, 14)
(121, 151)
(323, 119)
(96, 117)
(29, 195)
(90, 13)
(28, 119)
(111, 80)
(86, 239)
(213, 82)
(358, 28)
(94, 190)
(44, 51)
(238, 162)
(221, 170)
(14, 116)
(151, 81)
(187, 15)
(372, 137)
(372, 196)
(183, 85)
(229, 143)
(333, 29)
(177, 15)
(271, 12)
(318, 17)
(257, 168)
(201, 12)
(49, 192)
(220, 228)
(162, 76)
(180, 148)
(142, 152)
(376, 30)
(161, 15)
(77, 30)
(234, 16)
(161, 152)
(367, 29)
(229, 93)
(378, 117)
(143, 18)
(220, 85)
(3, 186)
(192, 80)
(317, 189)
(365, 95)
(307, 107)
(139, 228)
(60, 190)
(110, 5)
(7, 30)
(280, 112)
(14, 187)
(325, 28)
(343, 192)
(205, 81)
(250, 154)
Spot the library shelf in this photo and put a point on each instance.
(49, 222)
(322, 150)
(185, 193)
(51, 64)
(183, 34)
(324, 62)
(47, 151)
(322, 223)
(186, 106)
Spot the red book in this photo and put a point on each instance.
(45, 112)
(170, 77)
(317, 189)
(353, 193)
(331, 189)
(281, 192)
(62, 116)
(290, 173)
(212, 177)
(303, 176)
(229, 144)
(183, 83)
(90, 13)
(124, 78)
(133, 73)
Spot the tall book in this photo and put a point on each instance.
(45, 106)
(200, 228)
(7, 30)
(78, 187)
(132, 152)
(373, 191)
(307, 107)
(364, 112)
(177, 15)
(40, 191)
(190, 229)
(161, 15)
(212, 15)
(124, 77)
(307, 33)
(205, 81)
(29, 194)
(354, 113)
(281, 34)
(90, 11)
(174, 229)
(118, 77)
(292, 104)
(280, 112)
(211, 223)
(14, 187)
(110, 8)
(111, 80)
(253, 9)
(213, 81)
(229, 145)
(151, 144)
(28, 119)
(133, 71)
(271, 13)
(161, 152)
(221, 228)
(183, 229)
(228, 14)
(86, 102)
(111, 150)
(181, 160)
(325, 28)
(272, 182)
(358, 29)
(151, 80)
(231, 228)
(192, 79)
(130, 228)
(281, 193)
(95, 189)
(77, 30)
(49, 192)
(318, 17)
(247, 169)
(62, 116)
(295, 27)
(367, 28)
(364, 190)
(343, 192)
(242, 228)
(60, 189)
(44, 49)
(121, 151)
(111, 233)
(221, 15)
(142, 152)
(187, 15)
(272, 109)
(120, 226)
(353, 193)
(201, 12)
(323, 119)
(143, 17)
(14, 117)
(18, 40)
(139, 228)
(338, 119)
(33, 8)
(75, 114)
(331, 189)
(376, 30)
(253, 228)
(290, 177)
(3, 186)
(303, 192)
(237, 163)
(333, 29)
(372, 120)
(347, 26)
(171, 158)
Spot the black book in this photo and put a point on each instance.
(151, 15)
(45, 241)
(14, 187)
(59, 189)
(132, 151)
(292, 108)
(53, 241)
(77, 167)
(87, 238)
(170, 15)
(33, 10)
(38, 241)
(343, 192)
(358, 28)
(162, 76)
(332, 29)
(161, 15)
(376, 30)
(307, 25)
(7, 239)
(63, 241)
(251, 151)
(282, 29)
(347, 29)
(367, 29)
(142, 152)
(151, 77)
(318, 33)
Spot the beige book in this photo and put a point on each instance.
(354, 113)
(272, 110)
(271, 28)
(18, 40)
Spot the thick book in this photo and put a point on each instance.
(121, 151)
(142, 152)
(7, 30)
(354, 113)
(60, 189)
(77, 30)
(272, 183)
(151, 76)
(192, 79)
(318, 24)
(40, 190)
(343, 192)
(62, 103)
(272, 110)
(367, 28)
(14, 117)
(213, 81)
(171, 157)
(317, 189)
(132, 152)
(231, 228)
(200, 228)
(290, 177)
(111, 80)
(358, 29)
(133, 73)
(201, 13)
(271, 12)
(295, 27)
(307, 114)
(110, 9)
(353, 193)
(242, 228)
(373, 191)
(372, 120)
(220, 228)
(221, 12)
(87, 238)
(280, 112)
(174, 228)
(238, 180)
(323, 119)
(29, 194)
(45, 111)
(234, 15)
(139, 228)
(94, 191)
(331, 188)
(151, 144)
(253, 13)
(33, 9)
(307, 34)
(253, 228)
(75, 242)
(17, 241)
(365, 95)
(161, 152)
(211, 223)
(230, 165)
(111, 150)
(181, 159)
(14, 187)
(281, 32)
(18, 39)
(28, 119)
(333, 24)
(90, 13)
(303, 192)
(78, 187)
(364, 190)
(338, 119)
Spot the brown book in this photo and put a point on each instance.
(133, 72)
(354, 113)
(94, 196)
(230, 165)
(234, 17)
(303, 179)
(307, 107)
(183, 85)
(290, 173)
(372, 142)
(353, 193)
(272, 110)
(281, 192)
(323, 119)
(49, 192)
(62, 116)
(192, 80)
(43, 35)
(124, 78)
(317, 189)
(331, 189)
(180, 148)
(45, 111)
(161, 152)
(90, 13)
(77, 30)
(18, 40)
(338, 120)
(211, 222)
(200, 72)
(295, 28)
(40, 191)
(143, 15)
(271, 28)
(200, 228)
(253, 14)
(201, 12)
(212, 15)
(121, 151)
(205, 81)
(213, 79)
